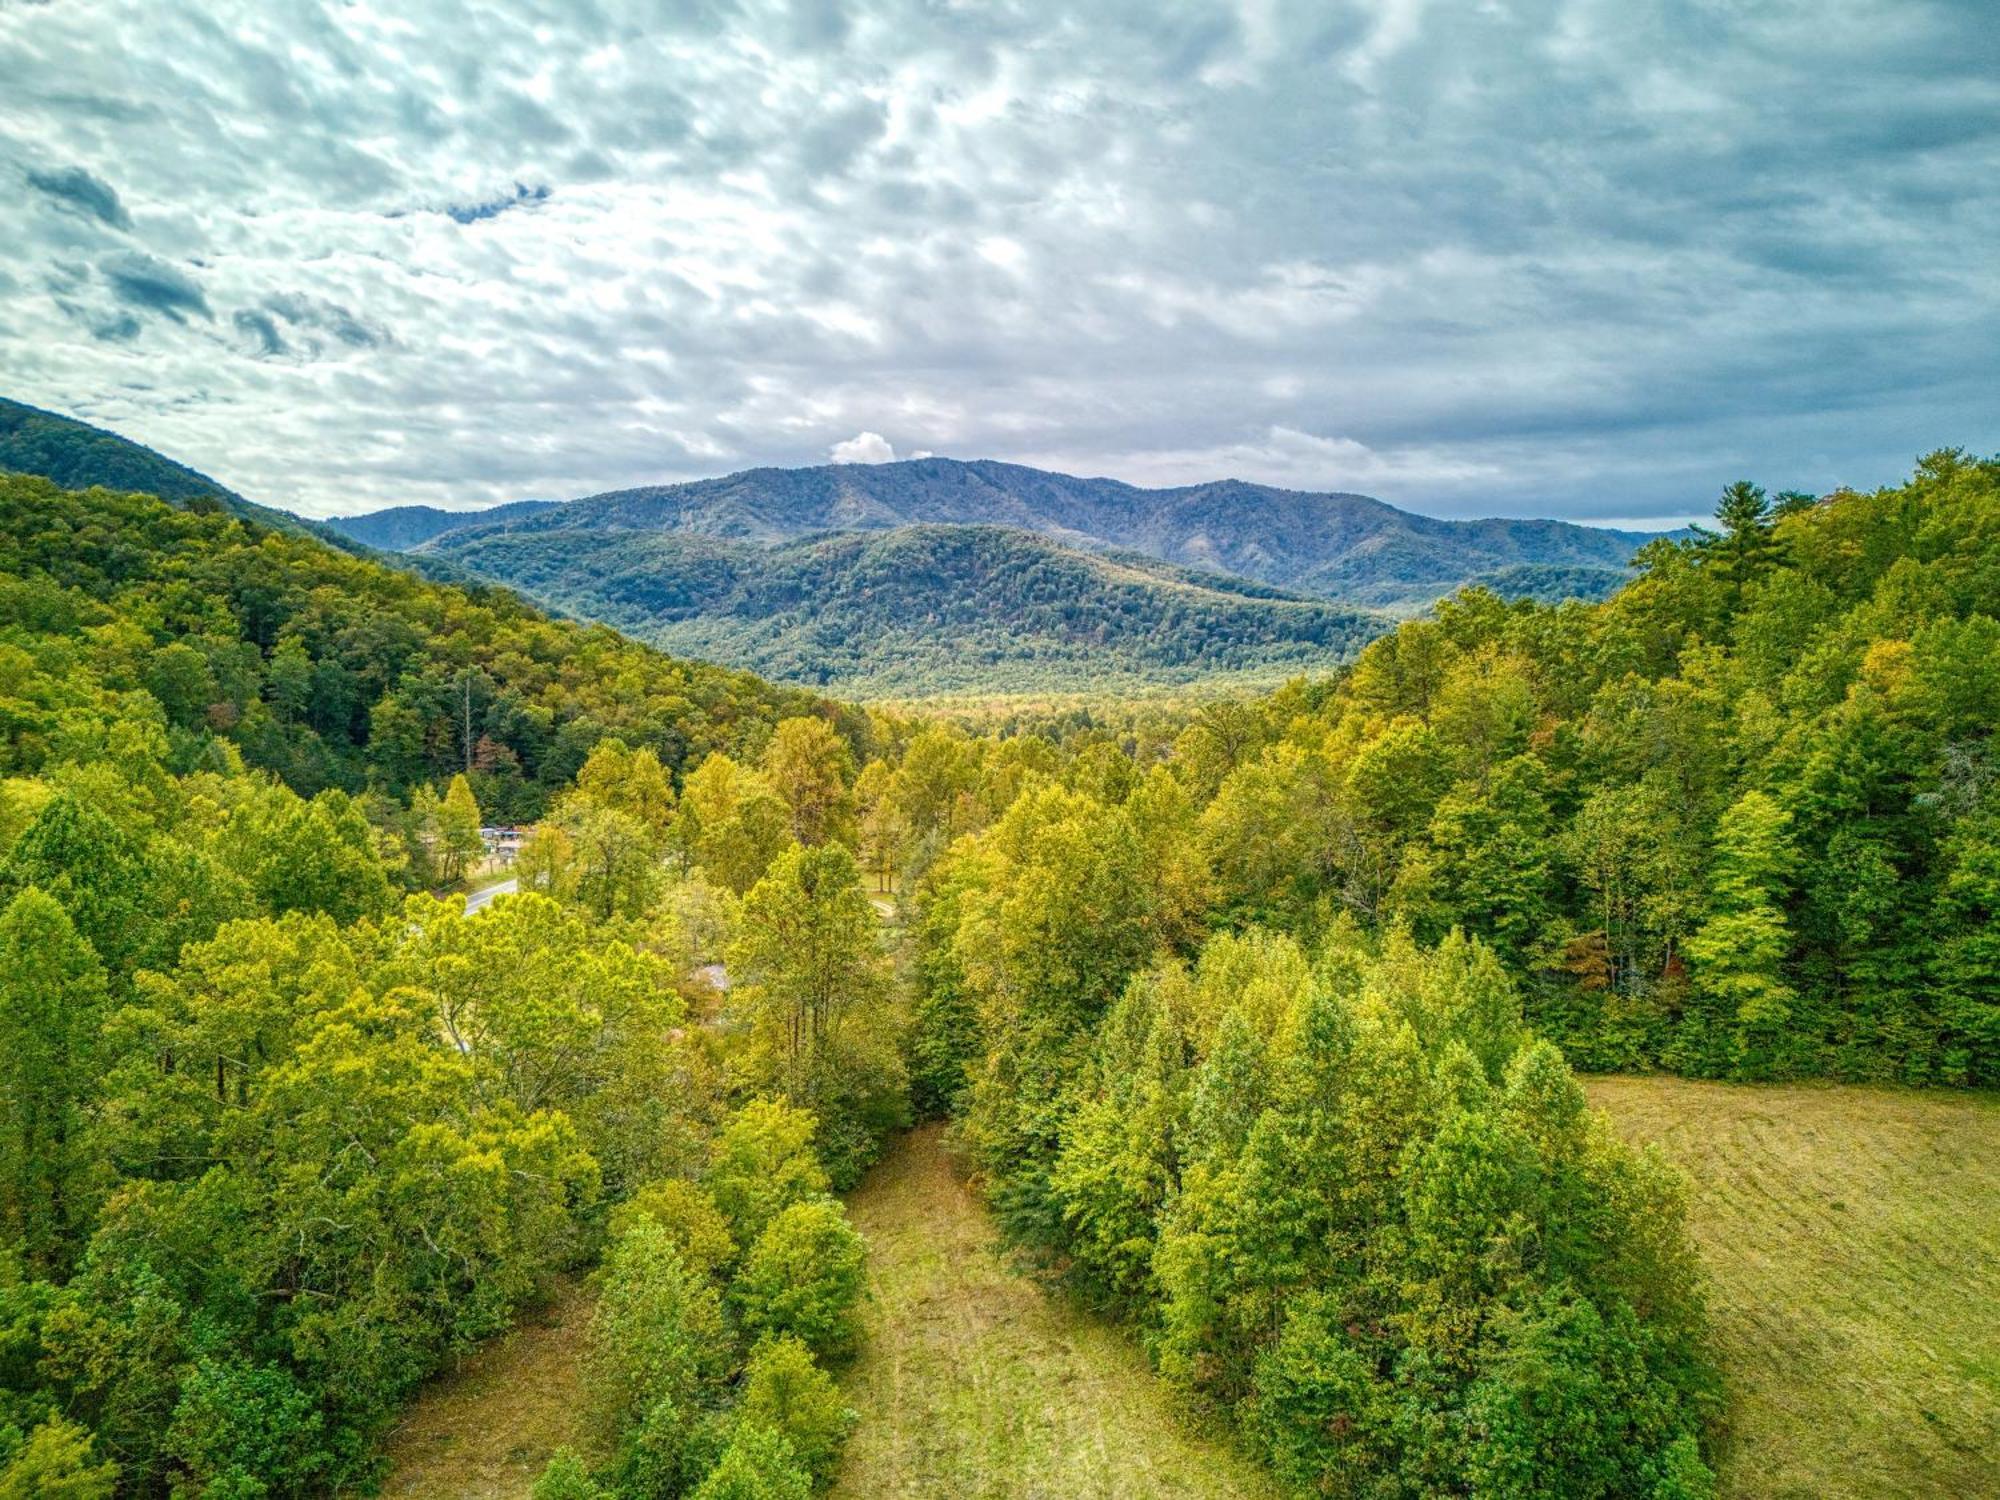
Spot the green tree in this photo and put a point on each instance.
(655, 1333)
(1745, 546)
(807, 966)
(785, 1391)
(1968, 964)
(244, 1429)
(52, 1002)
(1739, 952)
(686, 1211)
(566, 1478)
(56, 1463)
(811, 768)
(803, 1277)
(731, 824)
(458, 839)
(806, 949)
(179, 676)
(97, 871)
(763, 1164)
(757, 1465)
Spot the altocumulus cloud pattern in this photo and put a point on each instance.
(1581, 257)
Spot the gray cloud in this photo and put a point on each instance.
(83, 190)
(257, 327)
(152, 284)
(311, 312)
(1587, 257)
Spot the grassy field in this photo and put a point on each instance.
(485, 1430)
(1853, 1238)
(973, 1384)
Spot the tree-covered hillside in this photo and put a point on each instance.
(281, 1133)
(920, 609)
(1741, 820)
(1245, 1011)
(77, 456)
(328, 670)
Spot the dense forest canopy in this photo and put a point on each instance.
(1738, 821)
(326, 670)
(1256, 1016)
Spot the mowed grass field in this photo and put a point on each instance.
(485, 1430)
(1853, 1239)
(973, 1384)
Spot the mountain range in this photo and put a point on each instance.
(935, 575)
(941, 575)
(1349, 548)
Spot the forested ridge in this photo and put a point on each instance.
(78, 456)
(922, 609)
(282, 1131)
(1345, 547)
(1257, 1018)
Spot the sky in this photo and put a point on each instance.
(1584, 258)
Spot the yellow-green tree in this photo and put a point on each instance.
(458, 841)
(52, 998)
(811, 768)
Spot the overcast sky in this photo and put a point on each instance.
(1590, 258)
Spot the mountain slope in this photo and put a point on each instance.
(1342, 546)
(77, 456)
(929, 608)
(324, 668)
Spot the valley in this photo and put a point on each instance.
(973, 1381)
(918, 750)
(1254, 1014)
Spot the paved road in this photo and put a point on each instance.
(479, 898)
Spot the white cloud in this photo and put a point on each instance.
(1291, 459)
(863, 448)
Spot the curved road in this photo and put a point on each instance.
(479, 898)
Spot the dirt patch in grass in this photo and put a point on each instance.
(1853, 1238)
(484, 1430)
(974, 1383)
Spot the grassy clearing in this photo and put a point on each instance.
(1853, 1236)
(485, 1430)
(973, 1383)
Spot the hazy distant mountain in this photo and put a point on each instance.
(927, 608)
(77, 456)
(1345, 547)
(403, 527)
